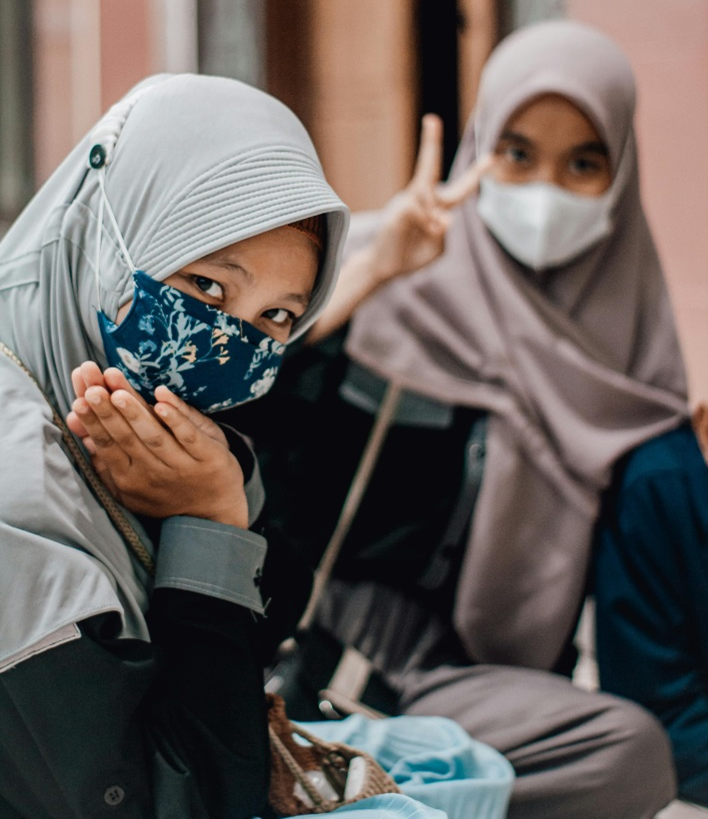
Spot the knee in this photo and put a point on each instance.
(644, 778)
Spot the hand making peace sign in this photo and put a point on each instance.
(416, 220)
(411, 233)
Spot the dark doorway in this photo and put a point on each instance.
(438, 22)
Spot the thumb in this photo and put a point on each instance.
(202, 422)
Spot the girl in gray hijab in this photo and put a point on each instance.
(537, 349)
(104, 706)
(183, 243)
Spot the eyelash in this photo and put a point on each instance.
(583, 165)
(198, 281)
(289, 317)
(515, 154)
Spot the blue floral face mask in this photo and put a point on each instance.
(213, 361)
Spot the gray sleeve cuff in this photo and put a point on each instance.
(211, 558)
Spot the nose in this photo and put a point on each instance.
(550, 173)
(243, 307)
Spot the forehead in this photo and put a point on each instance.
(283, 257)
(552, 120)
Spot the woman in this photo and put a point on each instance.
(121, 692)
(538, 349)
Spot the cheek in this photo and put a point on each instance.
(595, 186)
(123, 312)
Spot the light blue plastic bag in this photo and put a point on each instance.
(433, 761)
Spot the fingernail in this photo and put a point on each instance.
(92, 398)
(120, 401)
(160, 410)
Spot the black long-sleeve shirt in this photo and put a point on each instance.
(174, 728)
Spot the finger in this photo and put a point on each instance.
(91, 374)
(77, 382)
(86, 375)
(75, 425)
(439, 223)
(140, 433)
(202, 422)
(428, 166)
(89, 445)
(195, 441)
(102, 440)
(166, 396)
(452, 193)
(116, 380)
(112, 429)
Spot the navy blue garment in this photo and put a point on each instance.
(651, 586)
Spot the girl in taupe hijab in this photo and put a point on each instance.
(543, 337)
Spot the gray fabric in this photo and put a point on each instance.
(211, 558)
(576, 754)
(200, 163)
(575, 365)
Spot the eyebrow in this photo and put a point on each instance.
(594, 146)
(299, 298)
(516, 137)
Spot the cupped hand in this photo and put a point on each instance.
(159, 461)
(89, 374)
(416, 220)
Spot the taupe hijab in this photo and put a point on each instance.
(575, 366)
(199, 163)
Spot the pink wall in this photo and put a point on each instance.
(87, 54)
(126, 44)
(667, 44)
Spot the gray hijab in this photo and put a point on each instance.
(199, 163)
(575, 366)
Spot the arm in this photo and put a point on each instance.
(121, 728)
(652, 608)
(411, 233)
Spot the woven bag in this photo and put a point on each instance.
(312, 778)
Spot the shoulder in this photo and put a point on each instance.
(668, 471)
(673, 453)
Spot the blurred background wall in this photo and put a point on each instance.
(359, 73)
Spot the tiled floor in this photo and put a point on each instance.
(682, 810)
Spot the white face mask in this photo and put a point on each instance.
(543, 225)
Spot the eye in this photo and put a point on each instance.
(280, 316)
(515, 154)
(588, 165)
(208, 286)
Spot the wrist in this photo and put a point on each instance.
(372, 267)
(234, 515)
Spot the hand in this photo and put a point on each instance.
(416, 220)
(412, 233)
(89, 375)
(159, 463)
(700, 426)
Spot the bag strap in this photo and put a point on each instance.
(114, 512)
(438, 568)
(360, 481)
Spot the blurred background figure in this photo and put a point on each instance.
(359, 73)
